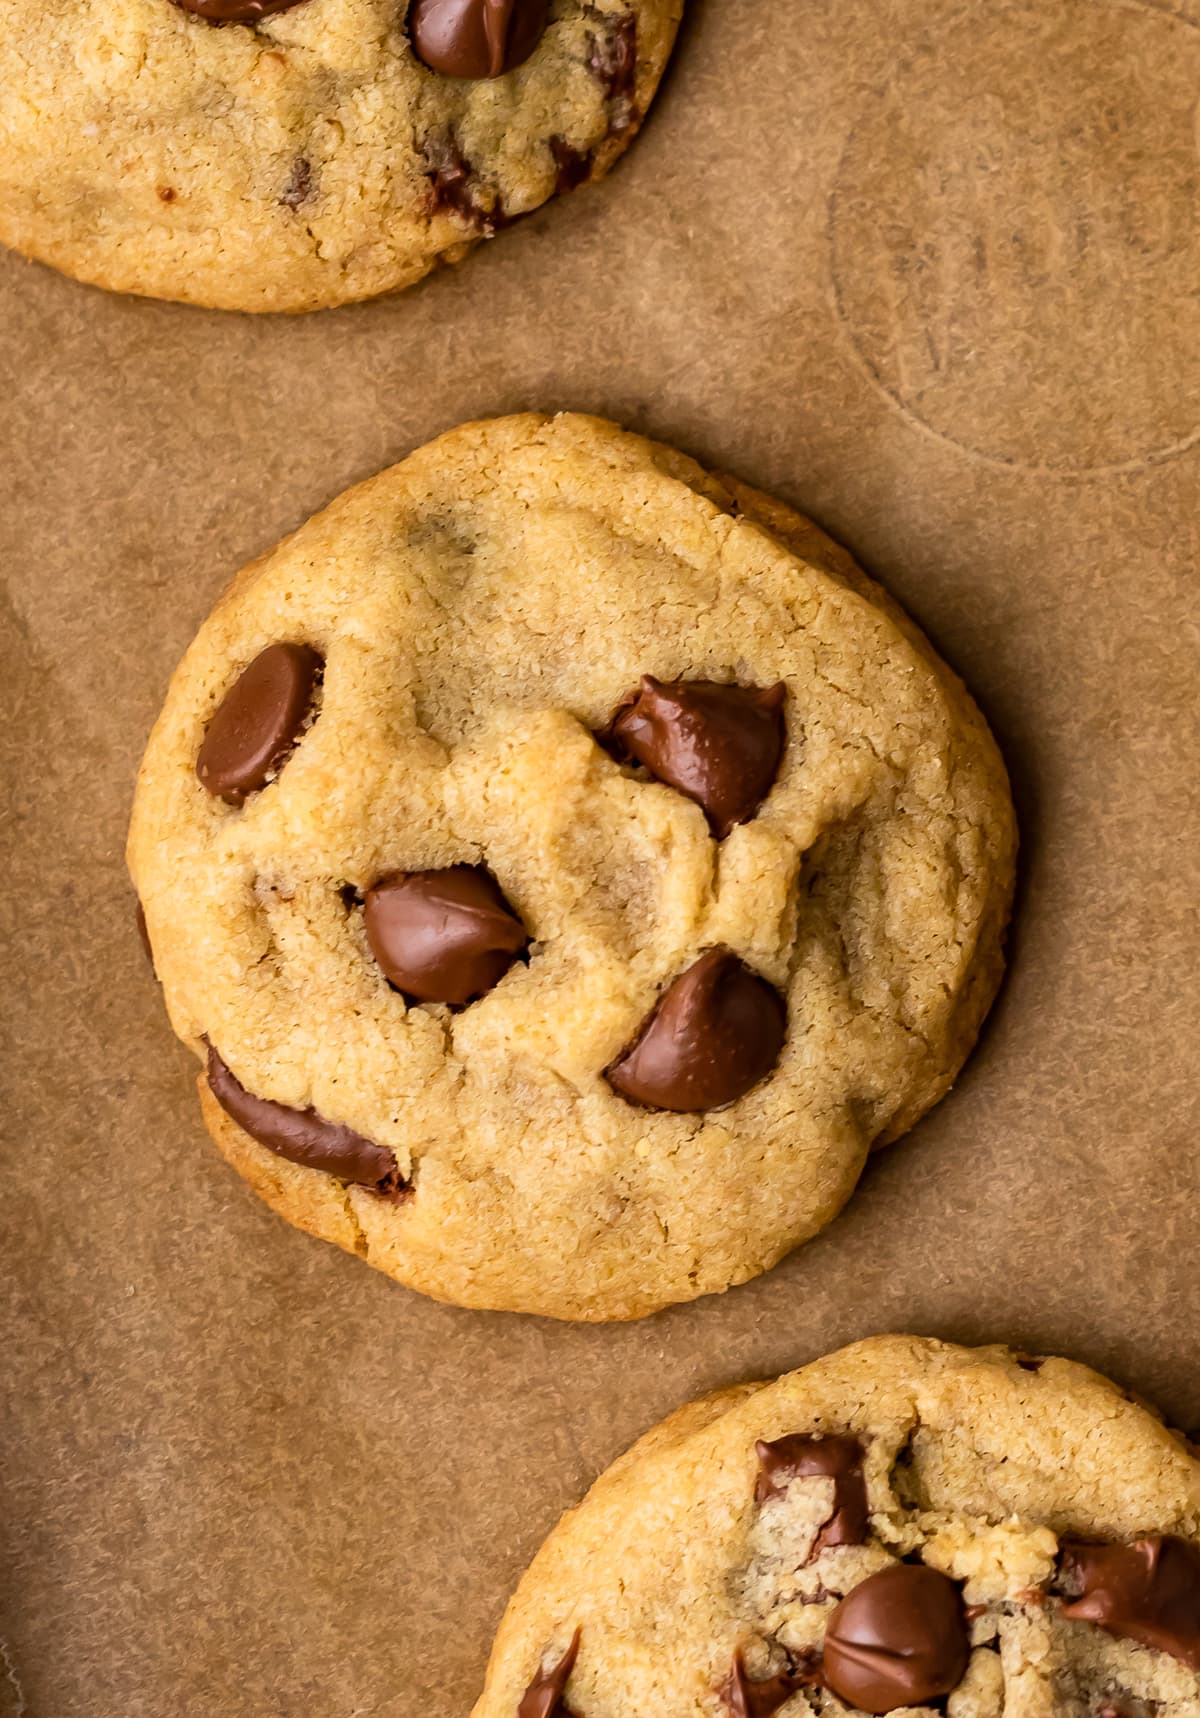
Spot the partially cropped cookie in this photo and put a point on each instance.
(902, 1527)
(567, 866)
(291, 154)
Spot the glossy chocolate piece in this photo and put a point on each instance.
(716, 744)
(897, 1639)
(715, 1032)
(1148, 1592)
(745, 1698)
(235, 11)
(475, 38)
(838, 1458)
(544, 1696)
(302, 1136)
(258, 721)
(442, 936)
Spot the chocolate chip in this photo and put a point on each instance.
(1148, 1592)
(167, 193)
(544, 1696)
(612, 60)
(442, 936)
(450, 178)
(302, 1136)
(234, 11)
(715, 1032)
(299, 186)
(719, 745)
(837, 1458)
(745, 1698)
(1029, 1362)
(258, 721)
(897, 1639)
(454, 188)
(573, 165)
(475, 38)
(144, 938)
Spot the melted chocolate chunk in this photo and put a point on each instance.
(1148, 1592)
(450, 177)
(747, 1699)
(718, 745)
(612, 61)
(258, 721)
(544, 1696)
(837, 1458)
(235, 11)
(442, 936)
(454, 188)
(715, 1032)
(144, 938)
(475, 38)
(897, 1639)
(299, 187)
(302, 1136)
(573, 165)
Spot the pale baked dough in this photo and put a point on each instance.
(973, 1463)
(287, 165)
(482, 607)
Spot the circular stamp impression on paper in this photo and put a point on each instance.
(1014, 236)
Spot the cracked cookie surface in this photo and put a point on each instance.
(691, 1594)
(478, 613)
(306, 159)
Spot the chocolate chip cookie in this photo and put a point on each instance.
(291, 154)
(904, 1526)
(566, 866)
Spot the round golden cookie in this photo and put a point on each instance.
(904, 1526)
(801, 987)
(293, 154)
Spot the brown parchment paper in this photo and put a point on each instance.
(929, 270)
